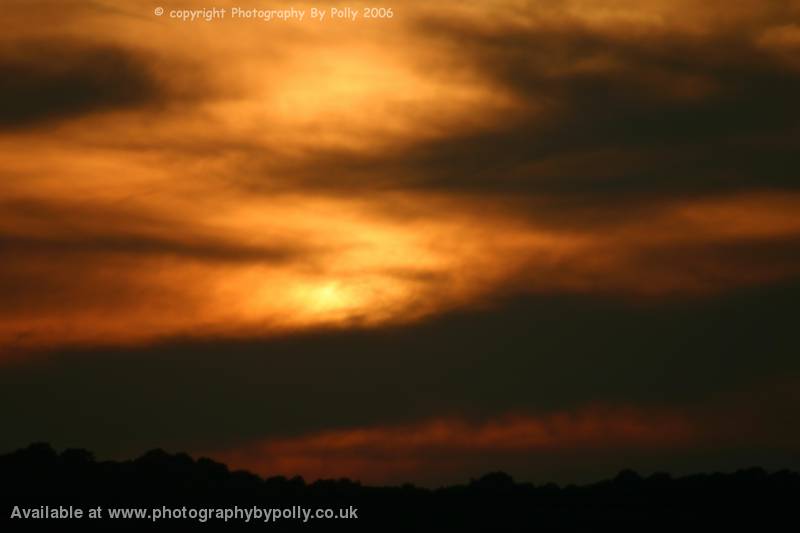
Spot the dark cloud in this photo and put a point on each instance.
(44, 81)
(614, 118)
(682, 112)
(531, 355)
(142, 245)
(84, 229)
(757, 258)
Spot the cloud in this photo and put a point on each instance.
(565, 444)
(81, 229)
(617, 108)
(402, 230)
(448, 447)
(260, 267)
(722, 360)
(52, 80)
(351, 176)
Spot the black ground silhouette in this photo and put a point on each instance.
(37, 479)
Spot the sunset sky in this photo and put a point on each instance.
(553, 237)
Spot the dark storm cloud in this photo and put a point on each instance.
(45, 81)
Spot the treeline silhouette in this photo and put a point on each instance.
(38, 476)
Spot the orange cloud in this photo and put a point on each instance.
(262, 185)
(383, 454)
(266, 266)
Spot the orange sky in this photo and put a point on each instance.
(211, 210)
(164, 180)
